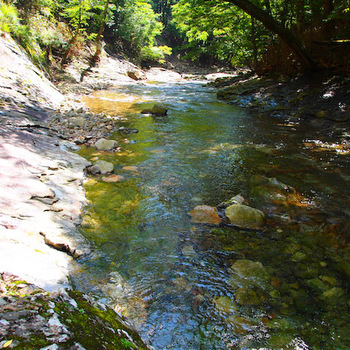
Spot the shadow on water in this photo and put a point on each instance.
(190, 286)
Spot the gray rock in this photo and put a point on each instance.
(238, 199)
(105, 145)
(101, 167)
(245, 217)
(77, 122)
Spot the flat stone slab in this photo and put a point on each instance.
(41, 181)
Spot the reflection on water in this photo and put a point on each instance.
(190, 286)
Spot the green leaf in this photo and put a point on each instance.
(7, 344)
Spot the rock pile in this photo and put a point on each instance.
(81, 126)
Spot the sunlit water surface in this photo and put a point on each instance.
(173, 278)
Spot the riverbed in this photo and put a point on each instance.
(198, 286)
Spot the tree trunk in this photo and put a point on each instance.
(96, 56)
(73, 39)
(255, 49)
(300, 15)
(328, 7)
(285, 35)
(69, 47)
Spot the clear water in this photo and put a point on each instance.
(173, 278)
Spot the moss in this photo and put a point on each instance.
(96, 328)
(33, 322)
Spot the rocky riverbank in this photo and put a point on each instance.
(320, 100)
(41, 200)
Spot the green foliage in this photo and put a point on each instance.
(9, 21)
(77, 12)
(219, 30)
(137, 26)
(37, 31)
(137, 23)
(155, 53)
(236, 30)
(61, 26)
(48, 32)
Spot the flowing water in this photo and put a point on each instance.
(197, 286)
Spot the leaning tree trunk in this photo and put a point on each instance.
(285, 35)
(97, 54)
(69, 47)
(73, 40)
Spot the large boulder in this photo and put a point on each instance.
(105, 145)
(244, 216)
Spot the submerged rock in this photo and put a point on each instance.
(249, 274)
(240, 324)
(245, 217)
(271, 190)
(189, 252)
(225, 305)
(156, 110)
(101, 167)
(159, 110)
(113, 178)
(204, 214)
(238, 199)
(105, 145)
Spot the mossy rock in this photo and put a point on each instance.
(247, 296)
(245, 217)
(33, 319)
(97, 328)
(156, 110)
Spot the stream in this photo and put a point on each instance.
(199, 286)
